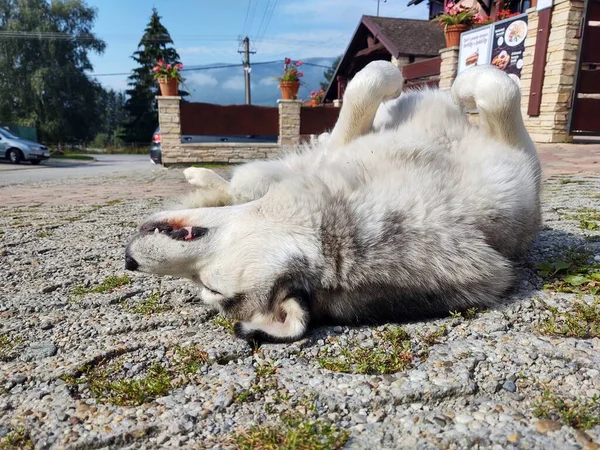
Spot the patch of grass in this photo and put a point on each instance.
(214, 165)
(16, 440)
(392, 353)
(588, 218)
(116, 201)
(582, 322)
(224, 322)
(293, 432)
(571, 273)
(109, 284)
(190, 358)
(151, 305)
(580, 413)
(262, 383)
(72, 156)
(265, 369)
(568, 181)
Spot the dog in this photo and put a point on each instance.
(404, 211)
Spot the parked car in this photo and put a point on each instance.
(155, 147)
(16, 149)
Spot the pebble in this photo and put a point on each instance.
(509, 386)
(39, 350)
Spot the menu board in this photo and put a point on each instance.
(508, 45)
(474, 48)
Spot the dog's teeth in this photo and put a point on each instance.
(156, 231)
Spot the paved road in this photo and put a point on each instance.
(11, 174)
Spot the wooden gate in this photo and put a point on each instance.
(585, 113)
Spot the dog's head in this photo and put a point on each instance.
(249, 262)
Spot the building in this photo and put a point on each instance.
(401, 41)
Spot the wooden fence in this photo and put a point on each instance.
(421, 74)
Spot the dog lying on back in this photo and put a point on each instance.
(404, 211)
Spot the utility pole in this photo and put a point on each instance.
(247, 68)
(378, 6)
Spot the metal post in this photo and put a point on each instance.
(247, 68)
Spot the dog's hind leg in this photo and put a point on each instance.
(213, 190)
(377, 82)
(498, 101)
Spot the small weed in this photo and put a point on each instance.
(392, 353)
(152, 305)
(16, 440)
(110, 283)
(156, 383)
(224, 322)
(265, 369)
(7, 345)
(582, 322)
(116, 201)
(261, 384)
(435, 336)
(293, 432)
(580, 414)
(571, 273)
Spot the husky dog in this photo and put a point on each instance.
(404, 211)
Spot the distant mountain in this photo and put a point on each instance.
(225, 86)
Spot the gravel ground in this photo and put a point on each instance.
(94, 357)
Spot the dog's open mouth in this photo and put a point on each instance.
(180, 233)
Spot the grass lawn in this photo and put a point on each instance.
(73, 156)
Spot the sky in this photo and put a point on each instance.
(209, 31)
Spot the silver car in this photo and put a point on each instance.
(16, 149)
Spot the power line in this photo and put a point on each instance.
(246, 19)
(196, 69)
(259, 36)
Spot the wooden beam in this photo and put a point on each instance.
(421, 69)
(369, 50)
(539, 62)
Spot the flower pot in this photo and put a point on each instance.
(289, 89)
(168, 86)
(452, 34)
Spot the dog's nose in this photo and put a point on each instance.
(130, 263)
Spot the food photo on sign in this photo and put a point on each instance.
(508, 45)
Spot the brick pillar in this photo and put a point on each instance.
(559, 73)
(448, 67)
(170, 128)
(289, 122)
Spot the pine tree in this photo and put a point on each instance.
(156, 43)
(328, 74)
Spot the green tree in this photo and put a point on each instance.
(44, 50)
(328, 74)
(156, 43)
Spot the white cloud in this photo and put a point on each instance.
(268, 81)
(234, 83)
(117, 83)
(201, 79)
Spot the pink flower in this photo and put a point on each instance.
(299, 63)
(287, 60)
(300, 74)
(156, 69)
(168, 66)
(160, 62)
(313, 93)
(180, 66)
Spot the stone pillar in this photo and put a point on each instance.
(289, 122)
(169, 121)
(559, 73)
(448, 67)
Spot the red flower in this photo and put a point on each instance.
(156, 69)
(299, 63)
(287, 60)
(300, 74)
(180, 66)
(168, 66)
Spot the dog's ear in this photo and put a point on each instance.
(287, 323)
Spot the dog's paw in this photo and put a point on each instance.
(485, 88)
(204, 178)
(255, 335)
(379, 78)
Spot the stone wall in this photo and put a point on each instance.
(221, 152)
(169, 121)
(289, 122)
(559, 73)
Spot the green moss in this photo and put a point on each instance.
(293, 432)
(571, 273)
(583, 321)
(434, 337)
(189, 359)
(16, 440)
(116, 201)
(265, 369)
(392, 353)
(568, 181)
(152, 305)
(580, 413)
(109, 284)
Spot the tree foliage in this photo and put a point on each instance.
(44, 49)
(328, 74)
(155, 44)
